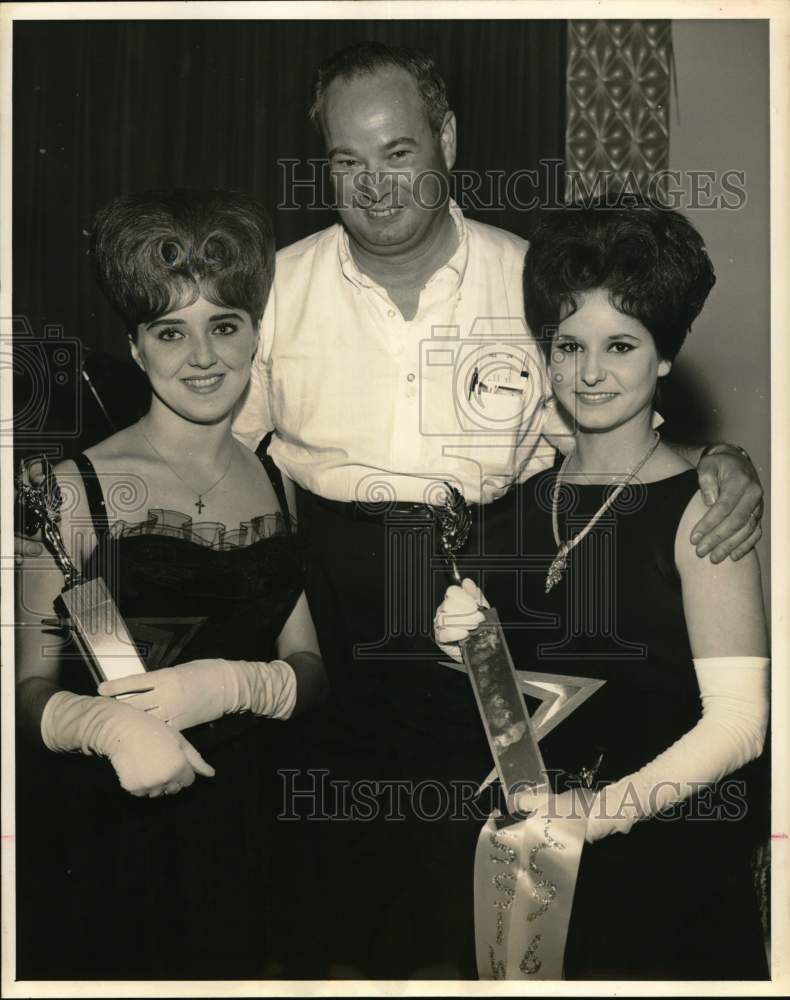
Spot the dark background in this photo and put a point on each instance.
(102, 108)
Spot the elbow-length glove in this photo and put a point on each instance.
(204, 690)
(149, 757)
(731, 732)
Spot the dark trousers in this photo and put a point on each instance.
(394, 758)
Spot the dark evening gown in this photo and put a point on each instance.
(110, 886)
(673, 899)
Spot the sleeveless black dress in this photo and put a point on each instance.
(181, 887)
(673, 899)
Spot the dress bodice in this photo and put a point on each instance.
(616, 615)
(192, 591)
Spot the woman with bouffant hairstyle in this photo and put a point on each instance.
(150, 806)
(611, 588)
(151, 253)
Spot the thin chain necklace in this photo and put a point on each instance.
(560, 562)
(199, 502)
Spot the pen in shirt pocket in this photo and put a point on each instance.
(496, 388)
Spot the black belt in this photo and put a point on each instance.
(366, 510)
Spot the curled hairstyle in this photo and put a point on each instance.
(651, 260)
(366, 58)
(160, 251)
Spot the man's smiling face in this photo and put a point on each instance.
(389, 168)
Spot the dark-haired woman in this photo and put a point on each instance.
(614, 590)
(147, 820)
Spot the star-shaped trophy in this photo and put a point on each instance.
(499, 688)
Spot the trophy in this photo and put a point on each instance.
(87, 608)
(488, 662)
(526, 863)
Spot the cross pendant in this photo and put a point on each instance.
(200, 505)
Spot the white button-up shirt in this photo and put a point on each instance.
(369, 406)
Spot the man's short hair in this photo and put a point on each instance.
(650, 259)
(366, 58)
(159, 251)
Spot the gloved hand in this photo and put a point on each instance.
(149, 757)
(204, 690)
(734, 692)
(457, 615)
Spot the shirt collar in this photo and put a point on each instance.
(455, 266)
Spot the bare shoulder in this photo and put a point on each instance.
(692, 566)
(663, 463)
(123, 446)
(71, 485)
(116, 464)
(248, 457)
(722, 602)
(255, 482)
(253, 470)
(675, 461)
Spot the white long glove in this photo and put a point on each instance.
(149, 757)
(457, 616)
(204, 690)
(731, 732)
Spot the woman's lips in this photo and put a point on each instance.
(595, 398)
(203, 383)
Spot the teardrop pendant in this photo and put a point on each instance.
(558, 566)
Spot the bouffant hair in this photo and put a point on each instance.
(650, 259)
(159, 251)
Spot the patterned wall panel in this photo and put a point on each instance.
(618, 81)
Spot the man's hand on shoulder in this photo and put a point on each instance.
(731, 489)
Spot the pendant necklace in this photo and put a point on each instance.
(560, 562)
(199, 502)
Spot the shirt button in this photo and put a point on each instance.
(410, 377)
(391, 313)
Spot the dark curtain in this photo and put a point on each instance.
(104, 107)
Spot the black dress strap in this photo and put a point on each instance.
(93, 492)
(275, 477)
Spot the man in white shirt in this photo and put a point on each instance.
(395, 358)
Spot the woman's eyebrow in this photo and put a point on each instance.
(163, 322)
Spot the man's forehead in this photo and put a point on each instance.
(374, 99)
